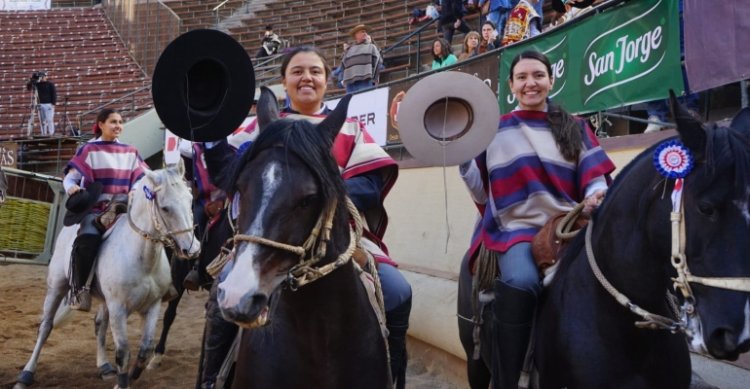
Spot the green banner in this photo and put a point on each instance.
(622, 56)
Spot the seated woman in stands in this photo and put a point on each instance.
(470, 47)
(442, 54)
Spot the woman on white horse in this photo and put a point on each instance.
(97, 179)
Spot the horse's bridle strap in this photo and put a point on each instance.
(651, 320)
(166, 238)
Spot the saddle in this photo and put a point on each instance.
(107, 219)
(549, 243)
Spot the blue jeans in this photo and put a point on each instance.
(359, 85)
(396, 290)
(518, 269)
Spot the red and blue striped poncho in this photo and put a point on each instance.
(116, 165)
(522, 179)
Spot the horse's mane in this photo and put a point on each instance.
(307, 142)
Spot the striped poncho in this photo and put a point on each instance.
(522, 179)
(356, 153)
(116, 165)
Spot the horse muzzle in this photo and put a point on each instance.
(252, 311)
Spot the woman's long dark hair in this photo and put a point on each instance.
(565, 128)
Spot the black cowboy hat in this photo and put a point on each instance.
(559, 5)
(203, 85)
(80, 203)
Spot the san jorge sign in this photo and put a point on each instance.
(625, 55)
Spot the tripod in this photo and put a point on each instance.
(34, 110)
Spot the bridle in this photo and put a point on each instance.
(315, 246)
(687, 311)
(163, 235)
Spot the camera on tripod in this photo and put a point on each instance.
(35, 78)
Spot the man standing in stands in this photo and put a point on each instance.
(270, 43)
(47, 100)
(361, 61)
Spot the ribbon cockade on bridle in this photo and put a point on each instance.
(674, 161)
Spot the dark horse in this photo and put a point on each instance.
(211, 242)
(326, 334)
(586, 338)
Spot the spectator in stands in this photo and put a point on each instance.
(567, 10)
(270, 43)
(442, 54)
(98, 189)
(418, 15)
(47, 100)
(658, 110)
(523, 22)
(498, 12)
(490, 39)
(337, 76)
(452, 18)
(361, 61)
(369, 173)
(470, 47)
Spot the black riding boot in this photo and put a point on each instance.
(397, 322)
(513, 315)
(85, 249)
(218, 337)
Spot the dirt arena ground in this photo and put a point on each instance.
(69, 358)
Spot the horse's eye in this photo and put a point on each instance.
(165, 209)
(705, 208)
(307, 201)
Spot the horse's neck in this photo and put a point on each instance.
(141, 216)
(624, 252)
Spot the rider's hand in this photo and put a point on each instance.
(592, 202)
(73, 189)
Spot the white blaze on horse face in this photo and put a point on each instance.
(244, 278)
(745, 335)
(696, 343)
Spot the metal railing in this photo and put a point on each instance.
(31, 217)
(145, 26)
(125, 105)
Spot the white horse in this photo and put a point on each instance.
(132, 271)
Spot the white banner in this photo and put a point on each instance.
(24, 5)
(370, 108)
(171, 148)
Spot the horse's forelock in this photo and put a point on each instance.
(301, 138)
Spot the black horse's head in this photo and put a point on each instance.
(715, 198)
(285, 180)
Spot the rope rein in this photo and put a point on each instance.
(315, 247)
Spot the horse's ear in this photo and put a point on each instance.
(333, 123)
(152, 176)
(691, 130)
(741, 121)
(267, 108)
(178, 168)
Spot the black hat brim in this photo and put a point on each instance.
(94, 190)
(203, 85)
